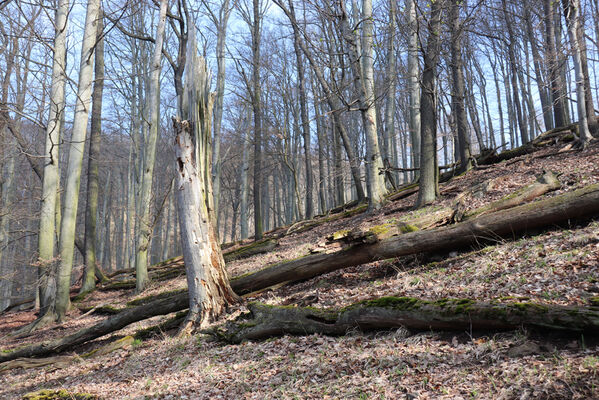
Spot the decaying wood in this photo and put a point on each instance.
(114, 323)
(65, 361)
(264, 321)
(506, 223)
(434, 216)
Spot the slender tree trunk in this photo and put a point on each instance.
(413, 85)
(389, 134)
(76, 150)
(363, 75)
(244, 180)
(428, 132)
(257, 106)
(221, 35)
(89, 278)
(457, 96)
(551, 57)
(50, 182)
(572, 14)
(145, 229)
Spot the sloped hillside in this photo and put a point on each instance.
(557, 265)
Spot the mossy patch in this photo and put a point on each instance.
(62, 394)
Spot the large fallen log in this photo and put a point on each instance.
(580, 203)
(114, 323)
(264, 321)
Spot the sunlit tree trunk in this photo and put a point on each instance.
(428, 131)
(457, 95)
(413, 85)
(207, 280)
(572, 13)
(76, 150)
(145, 228)
(89, 279)
(48, 223)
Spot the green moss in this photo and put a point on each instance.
(397, 303)
(81, 296)
(47, 394)
(528, 307)
(341, 234)
(407, 228)
(594, 301)
(381, 229)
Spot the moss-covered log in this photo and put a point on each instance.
(580, 203)
(259, 247)
(264, 321)
(434, 216)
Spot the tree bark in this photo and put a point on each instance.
(580, 203)
(89, 278)
(76, 150)
(145, 229)
(457, 95)
(209, 289)
(264, 321)
(572, 14)
(428, 129)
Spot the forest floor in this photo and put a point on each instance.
(556, 266)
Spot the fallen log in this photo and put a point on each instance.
(259, 247)
(579, 203)
(64, 361)
(114, 323)
(264, 321)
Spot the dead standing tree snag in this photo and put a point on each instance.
(209, 290)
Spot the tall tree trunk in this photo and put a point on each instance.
(257, 106)
(89, 278)
(145, 229)
(428, 132)
(209, 288)
(572, 14)
(513, 67)
(76, 150)
(413, 85)
(221, 35)
(551, 57)
(389, 134)
(244, 179)
(541, 85)
(48, 225)
(457, 95)
(335, 104)
(363, 75)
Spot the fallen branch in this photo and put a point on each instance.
(64, 361)
(114, 323)
(264, 321)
